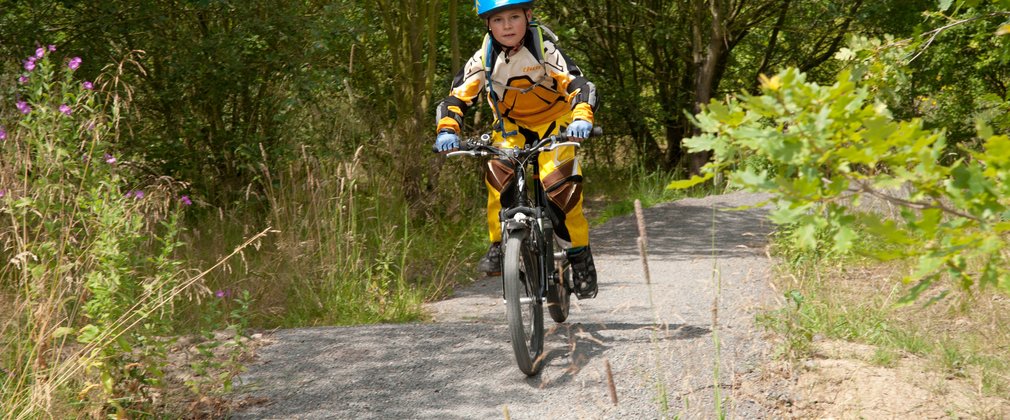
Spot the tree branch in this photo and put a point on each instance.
(936, 32)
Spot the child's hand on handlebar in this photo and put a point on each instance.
(579, 129)
(445, 142)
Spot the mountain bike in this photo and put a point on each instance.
(532, 272)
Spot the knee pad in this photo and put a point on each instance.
(500, 174)
(563, 188)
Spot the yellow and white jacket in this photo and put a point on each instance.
(530, 89)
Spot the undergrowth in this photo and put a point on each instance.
(963, 334)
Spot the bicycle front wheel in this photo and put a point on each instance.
(525, 315)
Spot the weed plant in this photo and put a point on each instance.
(92, 275)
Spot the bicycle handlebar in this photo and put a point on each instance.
(483, 146)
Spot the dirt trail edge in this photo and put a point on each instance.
(710, 275)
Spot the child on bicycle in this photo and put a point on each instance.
(535, 91)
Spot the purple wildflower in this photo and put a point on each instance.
(219, 294)
(138, 194)
(23, 79)
(30, 65)
(74, 63)
(39, 52)
(3, 133)
(23, 107)
(65, 109)
(52, 48)
(110, 159)
(185, 200)
(88, 85)
(3, 193)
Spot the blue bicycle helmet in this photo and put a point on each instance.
(486, 8)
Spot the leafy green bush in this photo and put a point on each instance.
(832, 148)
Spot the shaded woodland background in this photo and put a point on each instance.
(221, 88)
(267, 163)
(261, 106)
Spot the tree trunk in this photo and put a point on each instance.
(411, 30)
(708, 63)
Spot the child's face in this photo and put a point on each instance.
(509, 26)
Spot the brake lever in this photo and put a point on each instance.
(557, 145)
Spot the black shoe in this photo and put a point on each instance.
(490, 264)
(583, 273)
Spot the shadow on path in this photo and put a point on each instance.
(684, 231)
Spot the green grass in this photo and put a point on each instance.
(619, 187)
(963, 336)
(347, 248)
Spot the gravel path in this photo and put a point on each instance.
(461, 365)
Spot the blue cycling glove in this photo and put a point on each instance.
(446, 141)
(579, 129)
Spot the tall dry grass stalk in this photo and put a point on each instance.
(37, 386)
(662, 393)
(342, 251)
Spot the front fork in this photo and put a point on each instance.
(522, 224)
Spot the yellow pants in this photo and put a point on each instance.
(559, 169)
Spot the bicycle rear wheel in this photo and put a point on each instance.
(559, 297)
(525, 315)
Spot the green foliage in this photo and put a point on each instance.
(831, 148)
(621, 187)
(92, 248)
(218, 360)
(960, 68)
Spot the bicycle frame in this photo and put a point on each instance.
(522, 218)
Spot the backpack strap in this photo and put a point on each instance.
(538, 39)
(488, 58)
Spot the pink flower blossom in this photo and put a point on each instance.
(65, 109)
(138, 194)
(23, 107)
(110, 159)
(23, 79)
(74, 63)
(185, 200)
(88, 85)
(52, 48)
(39, 52)
(30, 65)
(3, 193)
(3, 133)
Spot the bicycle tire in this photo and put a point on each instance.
(525, 316)
(559, 297)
